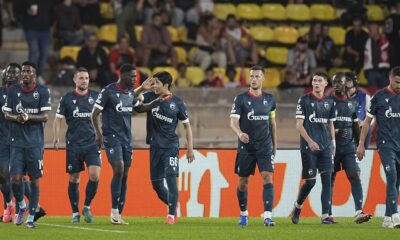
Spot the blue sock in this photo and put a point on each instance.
(161, 190)
(172, 194)
(305, 190)
(27, 188)
(326, 192)
(268, 197)
(34, 199)
(91, 190)
(122, 198)
(73, 193)
(242, 198)
(115, 191)
(356, 190)
(391, 190)
(30, 217)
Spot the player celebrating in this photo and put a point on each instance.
(76, 107)
(315, 115)
(11, 76)
(115, 102)
(27, 109)
(253, 121)
(347, 131)
(385, 108)
(164, 143)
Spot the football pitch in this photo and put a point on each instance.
(51, 228)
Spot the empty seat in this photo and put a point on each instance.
(272, 78)
(173, 33)
(108, 33)
(323, 12)
(375, 13)
(273, 11)
(181, 54)
(171, 71)
(337, 34)
(70, 51)
(303, 30)
(195, 74)
(248, 11)
(277, 55)
(106, 10)
(262, 33)
(286, 35)
(222, 10)
(146, 71)
(298, 12)
(138, 32)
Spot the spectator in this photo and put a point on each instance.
(156, 44)
(240, 45)
(376, 61)
(354, 46)
(301, 63)
(175, 14)
(68, 23)
(210, 80)
(126, 19)
(392, 27)
(209, 49)
(94, 59)
(230, 72)
(37, 19)
(66, 73)
(89, 11)
(195, 10)
(182, 80)
(150, 8)
(121, 54)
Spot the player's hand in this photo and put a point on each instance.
(190, 155)
(244, 138)
(22, 118)
(313, 146)
(274, 151)
(99, 140)
(148, 84)
(360, 152)
(55, 143)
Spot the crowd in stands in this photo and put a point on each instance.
(101, 35)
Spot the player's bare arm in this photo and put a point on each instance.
(96, 124)
(56, 131)
(189, 142)
(274, 134)
(363, 135)
(236, 128)
(300, 128)
(332, 131)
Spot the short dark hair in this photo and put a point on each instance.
(164, 77)
(352, 76)
(28, 63)
(126, 68)
(14, 64)
(230, 16)
(81, 69)
(156, 14)
(321, 74)
(395, 71)
(257, 68)
(230, 68)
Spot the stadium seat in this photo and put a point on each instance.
(106, 10)
(277, 55)
(181, 55)
(338, 34)
(286, 35)
(138, 32)
(273, 11)
(196, 74)
(363, 80)
(171, 71)
(332, 71)
(303, 30)
(298, 12)
(146, 71)
(182, 34)
(70, 51)
(323, 12)
(173, 33)
(220, 72)
(272, 78)
(248, 11)
(222, 10)
(375, 13)
(246, 74)
(262, 33)
(108, 33)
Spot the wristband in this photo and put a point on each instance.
(334, 143)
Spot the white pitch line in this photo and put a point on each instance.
(82, 228)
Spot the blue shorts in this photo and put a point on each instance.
(4, 156)
(390, 160)
(77, 157)
(163, 162)
(346, 159)
(117, 151)
(26, 161)
(313, 161)
(246, 162)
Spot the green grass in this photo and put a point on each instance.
(199, 228)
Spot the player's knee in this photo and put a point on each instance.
(267, 177)
(34, 183)
(74, 178)
(353, 176)
(94, 177)
(310, 182)
(243, 183)
(16, 179)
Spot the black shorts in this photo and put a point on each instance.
(313, 161)
(163, 162)
(246, 162)
(346, 159)
(26, 161)
(117, 151)
(77, 157)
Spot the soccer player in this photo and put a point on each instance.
(11, 76)
(115, 102)
(385, 108)
(164, 143)
(76, 107)
(253, 121)
(315, 115)
(347, 133)
(27, 109)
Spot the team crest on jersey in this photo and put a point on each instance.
(69, 167)
(265, 102)
(91, 100)
(117, 94)
(172, 106)
(4, 96)
(350, 105)
(326, 105)
(312, 104)
(74, 101)
(111, 150)
(249, 103)
(387, 100)
(310, 171)
(35, 95)
(18, 94)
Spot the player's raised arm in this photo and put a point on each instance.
(145, 86)
(140, 107)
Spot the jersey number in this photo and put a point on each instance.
(173, 161)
